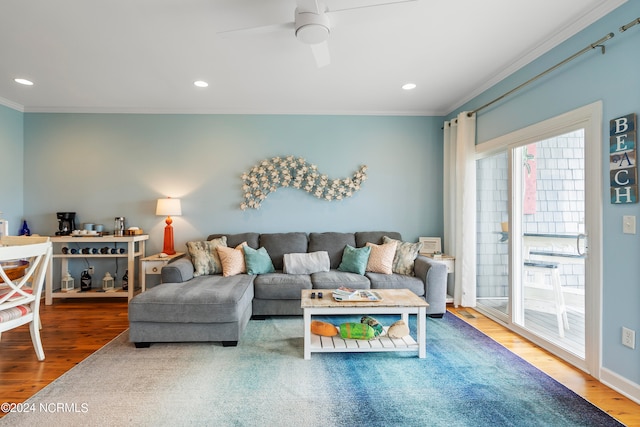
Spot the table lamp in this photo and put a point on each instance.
(168, 207)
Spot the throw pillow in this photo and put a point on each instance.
(204, 256)
(356, 331)
(375, 325)
(398, 329)
(258, 261)
(381, 257)
(232, 260)
(354, 260)
(406, 254)
(306, 263)
(323, 328)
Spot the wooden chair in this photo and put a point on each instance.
(20, 294)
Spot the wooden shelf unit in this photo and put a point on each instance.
(135, 248)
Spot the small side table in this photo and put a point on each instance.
(153, 265)
(450, 262)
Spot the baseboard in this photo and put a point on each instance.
(620, 384)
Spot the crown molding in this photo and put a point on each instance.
(591, 16)
(11, 104)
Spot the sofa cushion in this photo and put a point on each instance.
(205, 257)
(257, 261)
(278, 244)
(232, 260)
(406, 254)
(381, 257)
(276, 286)
(306, 263)
(334, 279)
(375, 237)
(354, 260)
(204, 299)
(333, 243)
(233, 240)
(396, 281)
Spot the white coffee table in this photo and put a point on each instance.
(394, 301)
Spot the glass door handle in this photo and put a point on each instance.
(580, 237)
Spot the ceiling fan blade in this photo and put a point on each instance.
(256, 31)
(309, 6)
(321, 54)
(385, 3)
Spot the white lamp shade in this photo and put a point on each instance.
(168, 207)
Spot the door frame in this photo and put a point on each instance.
(589, 118)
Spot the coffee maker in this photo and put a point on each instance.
(66, 223)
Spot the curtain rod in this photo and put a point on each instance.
(575, 55)
(629, 25)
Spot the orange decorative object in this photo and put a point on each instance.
(323, 328)
(168, 207)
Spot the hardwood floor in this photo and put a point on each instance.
(76, 328)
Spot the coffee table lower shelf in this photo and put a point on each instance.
(336, 344)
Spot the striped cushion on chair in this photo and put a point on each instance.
(14, 313)
(15, 295)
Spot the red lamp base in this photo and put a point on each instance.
(168, 238)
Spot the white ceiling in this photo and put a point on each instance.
(142, 56)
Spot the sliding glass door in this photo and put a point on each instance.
(549, 239)
(536, 270)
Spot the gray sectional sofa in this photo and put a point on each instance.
(217, 308)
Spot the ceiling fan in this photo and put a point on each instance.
(311, 26)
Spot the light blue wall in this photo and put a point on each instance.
(11, 167)
(107, 165)
(614, 79)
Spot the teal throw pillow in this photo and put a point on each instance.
(354, 260)
(257, 261)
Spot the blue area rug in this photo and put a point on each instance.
(467, 379)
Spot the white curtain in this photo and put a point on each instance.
(460, 205)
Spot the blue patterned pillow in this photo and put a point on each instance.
(258, 261)
(354, 260)
(406, 254)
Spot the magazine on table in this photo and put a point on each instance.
(348, 294)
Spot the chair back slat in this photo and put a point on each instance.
(18, 304)
(14, 292)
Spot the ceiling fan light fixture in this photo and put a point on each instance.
(200, 83)
(409, 86)
(312, 28)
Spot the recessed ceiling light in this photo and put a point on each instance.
(409, 86)
(24, 82)
(201, 83)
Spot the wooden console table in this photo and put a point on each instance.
(134, 248)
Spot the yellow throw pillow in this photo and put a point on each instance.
(381, 258)
(323, 328)
(232, 260)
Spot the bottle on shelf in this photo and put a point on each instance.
(85, 281)
(24, 230)
(125, 281)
